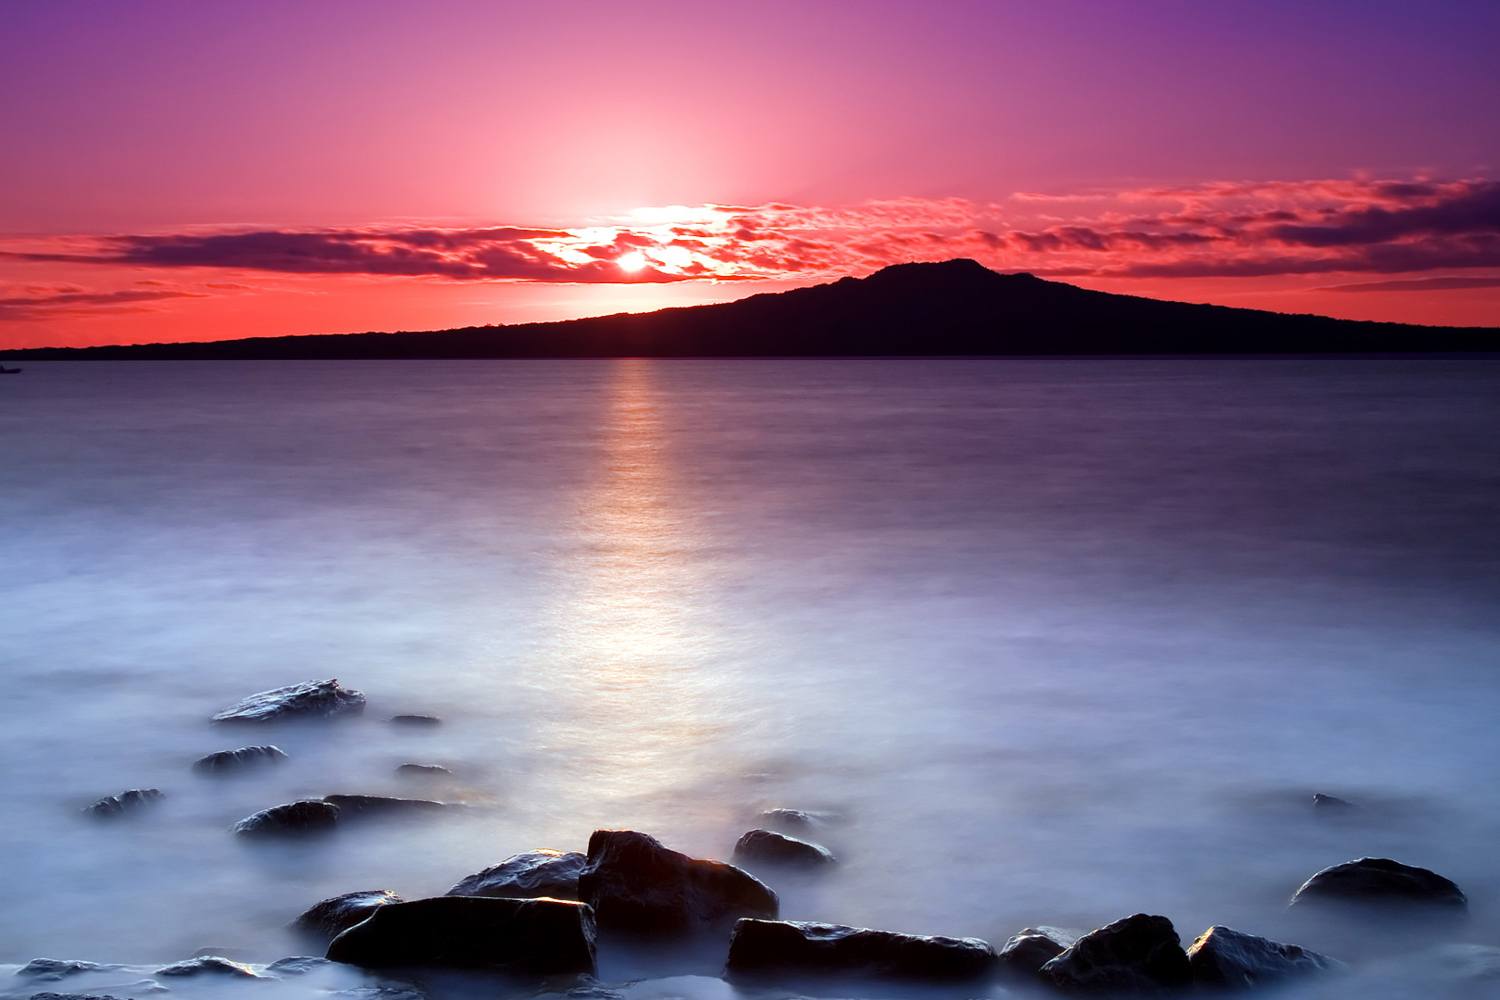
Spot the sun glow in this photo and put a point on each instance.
(632, 261)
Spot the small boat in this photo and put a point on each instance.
(9, 371)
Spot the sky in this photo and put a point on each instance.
(195, 171)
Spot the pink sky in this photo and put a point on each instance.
(183, 171)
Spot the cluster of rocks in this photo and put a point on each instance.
(308, 700)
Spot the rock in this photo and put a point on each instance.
(357, 806)
(1380, 881)
(310, 699)
(766, 847)
(795, 820)
(416, 720)
(1139, 954)
(297, 965)
(209, 965)
(325, 920)
(1467, 963)
(635, 884)
(381, 991)
(1027, 951)
(53, 969)
(1331, 803)
(530, 935)
(129, 801)
(73, 996)
(233, 954)
(1228, 959)
(290, 819)
(772, 946)
(422, 771)
(236, 760)
(527, 876)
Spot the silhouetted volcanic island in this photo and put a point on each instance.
(958, 307)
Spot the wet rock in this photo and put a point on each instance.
(530, 935)
(310, 699)
(233, 954)
(1226, 958)
(423, 771)
(1025, 953)
(795, 820)
(52, 969)
(772, 946)
(416, 720)
(1139, 954)
(237, 760)
(381, 991)
(635, 884)
(1331, 803)
(297, 965)
(328, 918)
(291, 819)
(1380, 881)
(526, 876)
(361, 806)
(73, 996)
(209, 965)
(114, 806)
(766, 847)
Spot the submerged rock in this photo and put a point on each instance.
(795, 820)
(423, 771)
(297, 965)
(769, 848)
(530, 935)
(235, 760)
(353, 806)
(129, 801)
(310, 699)
(209, 965)
(330, 917)
(1029, 949)
(291, 819)
(534, 873)
(416, 720)
(73, 996)
(635, 884)
(1227, 958)
(1139, 954)
(1380, 881)
(53, 969)
(1331, 803)
(772, 946)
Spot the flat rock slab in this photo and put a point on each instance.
(1140, 954)
(125, 803)
(310, 699)
(1229, 959)
(226, 761)
(767, 947)
(73, 996)
(423, 771)
(291, 819)
(330, 917)
(53, 969)
(635, 884)
(529, 875)
(1029, 949)
(296, 965)
(530, 935)
(416, 720)
(209, 965)
(766, 847)
(363, 806)
(1380, 881)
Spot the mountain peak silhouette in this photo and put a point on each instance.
(952, 307)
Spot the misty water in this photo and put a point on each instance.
(1058, 641)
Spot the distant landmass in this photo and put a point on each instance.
(958, 307)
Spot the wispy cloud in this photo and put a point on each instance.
(41, 301)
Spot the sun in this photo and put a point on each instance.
(632, 261)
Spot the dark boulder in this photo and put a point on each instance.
(765, 847)
(209, 965)
(423, 771)
(310, 699)
(114, 806)
(360, 806)
(1331, 803)
(795, 820)
(1139, 954)
(635, 884)
(52, 969)
(235, 760)
(1226, 958)
(416, 720)
(1031, 948)
(768, 947)
(325, 920)
(291, 819)
(529, 935)
(527, 876)
(1380, 881)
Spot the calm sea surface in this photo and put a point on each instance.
(1059, 640)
